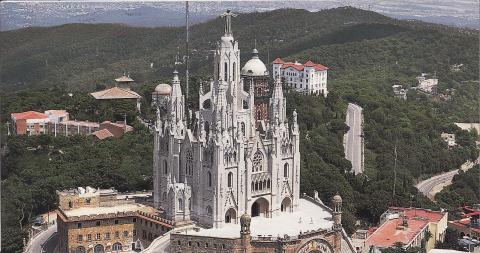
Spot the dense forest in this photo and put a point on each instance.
(367, 53)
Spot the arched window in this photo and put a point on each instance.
(165, 167)
(234, 71)
(218, 70)
(225, 72)
(189, 162)
(285, 170)
(180, 204)
(257, 162)
(253, 186)
(230, 179)
(117, 246)
(80, 249)
(209, 179)
(70, 204)
(209, 210)
(268, 183)
(242, 126)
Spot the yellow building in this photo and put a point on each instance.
(95, 220)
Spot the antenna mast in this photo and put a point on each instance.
(186, 48)
(395, 171)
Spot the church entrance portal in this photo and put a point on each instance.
(286, 205)
(231, 216)
(260, 208)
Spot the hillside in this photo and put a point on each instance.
(366, 52)
(79, 56)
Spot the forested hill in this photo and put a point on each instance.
(82, 56)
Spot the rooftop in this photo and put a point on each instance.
(299, 66)
(309, 217)
(466, 223)
(56, 112)
(392, 231)
(102, 134)
(80, 123)
(124, 78)
(108, 210)
(29, 115)
(115, 93)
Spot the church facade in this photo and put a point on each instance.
(238, 154)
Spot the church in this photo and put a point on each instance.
(228, 175)
(238, 154)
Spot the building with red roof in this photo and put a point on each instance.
(409, 226)
(469, 224)
(308, 78)
(30, 122)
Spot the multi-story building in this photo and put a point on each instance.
(29, 123)
(57, 116)
(101, 220)
(308, 78)
(409, 226)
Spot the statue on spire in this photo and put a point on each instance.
(228, 22)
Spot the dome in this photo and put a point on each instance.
(337, 198)
(245, 219)
(163, 89)
(254, 66)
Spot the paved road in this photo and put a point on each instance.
(435, 184)
(353, 140)
(35, 245)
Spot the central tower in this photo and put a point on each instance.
(224, 165)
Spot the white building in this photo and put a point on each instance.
(57, 116)
(307, 78)
(428, 86)
(220, 164)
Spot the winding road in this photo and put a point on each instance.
(435, 184)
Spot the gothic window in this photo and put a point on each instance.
(209, 210)
(257, 162)
(180, 204)
(234, 71)
(285, 170)
(209, 179)
(253, 186)
(189, 162)
(264, 184)
(165, 167)
(242, 126)
(225, 73)
(230, 179)
(164, 197)
(256, 186)
(268, 183)
(218, 70)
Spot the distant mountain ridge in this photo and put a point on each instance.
(82, 56)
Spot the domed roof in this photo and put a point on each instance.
(337, 198)
(254, 66)
(163, 89)
(245, 218)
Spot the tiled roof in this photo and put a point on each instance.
(29, 115)
(102, 134)
(465, 223)
(124, 79)
(115, 93)
(392, 231)
(300, 67)
(278, 61)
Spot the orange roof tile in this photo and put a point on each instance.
(115, 93)
(102, 134)
(278, 61)
(391, 230)
(29, 115)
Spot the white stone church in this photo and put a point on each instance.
(239, 153)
